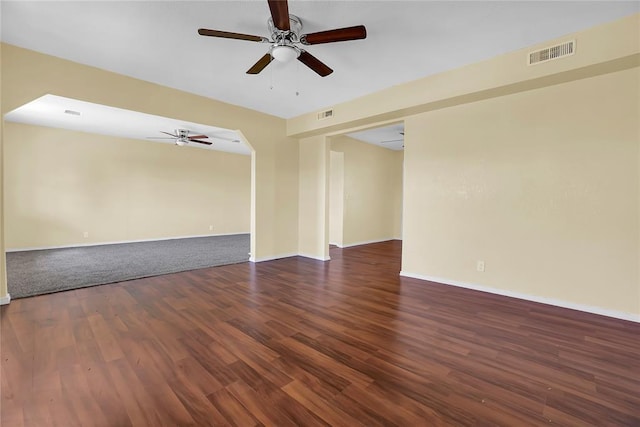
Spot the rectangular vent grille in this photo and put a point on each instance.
(325, 114)
(553, 52)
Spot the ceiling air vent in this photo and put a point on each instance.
(325, 114)
(553, 52)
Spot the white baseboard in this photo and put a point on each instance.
(368, 242)
(81, 245)
(274, 257)
(550, 301)
(5, 299)
(289, 255)
(315, 257)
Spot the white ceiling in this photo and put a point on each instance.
(49, 110)
(157, 41)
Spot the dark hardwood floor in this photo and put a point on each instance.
(301, 342)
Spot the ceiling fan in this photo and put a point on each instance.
(286, 37)
(182, 137)
(394, 140)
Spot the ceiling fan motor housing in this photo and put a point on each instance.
(286, 36)
(183, 137)
(284, 49)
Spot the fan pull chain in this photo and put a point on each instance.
(297, 78)
(271, 76)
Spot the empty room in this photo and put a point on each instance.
(301, 213)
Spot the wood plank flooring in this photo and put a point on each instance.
(298, 342)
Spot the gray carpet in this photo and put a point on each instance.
(44, 271)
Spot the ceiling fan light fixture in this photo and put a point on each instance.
(284, 53)
(181, 141)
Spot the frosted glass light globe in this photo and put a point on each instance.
(284, 53)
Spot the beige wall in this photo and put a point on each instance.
(313, 198)
(542, 186)
(336, 198)
(27, 75)
(372, 191)
(4, 295)
(62, 183)
(531, 169)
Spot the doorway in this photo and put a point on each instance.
(366, 186)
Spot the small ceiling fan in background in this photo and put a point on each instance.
(391, 141)
(182, 137)
(394, 140)
(286, 37)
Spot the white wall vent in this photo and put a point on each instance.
(552, 52)
(325, 114)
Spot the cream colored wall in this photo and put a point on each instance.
(398, 201)
(372, 191)
(62, 183)
(541, 185)
(313, 198)
(336, 196)
(578, 245)
(4, 294)
(27, 75)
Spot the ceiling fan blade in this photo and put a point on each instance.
(260, 65)
(280, 14)
(170, 134)
(229, 35)
(200, 142)
(198, 136)
(338, 35)
(314, 63)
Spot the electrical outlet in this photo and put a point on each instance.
(211, 228)
(85, 234)
(480, 266)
